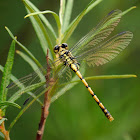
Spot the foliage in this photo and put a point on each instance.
(45, 34)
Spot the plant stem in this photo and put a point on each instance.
(44, 115)
(5, 133)
(47, 101)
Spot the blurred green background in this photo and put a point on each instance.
(76, 115)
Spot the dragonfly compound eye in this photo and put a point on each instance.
(56, 49)
(64, 45)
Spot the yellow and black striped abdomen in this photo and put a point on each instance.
(75, 68)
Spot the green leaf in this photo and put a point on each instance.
(1, 135)
(40, 30)
(46, 12)
(8, 103)
(67, 15)
(7, 72)
(21, 86)
(62, 10)
(43, 18)
(26, 89)
(67, 86)
(128, 10)
(25, 108)
(32, 64)
(76, 21)
(100, 77)
(24, 48)
(2, 120)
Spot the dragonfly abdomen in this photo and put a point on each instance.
(75, 68)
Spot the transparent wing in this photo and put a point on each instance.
(106, 51)
(99, 33)
(37, 77)
(34, 77)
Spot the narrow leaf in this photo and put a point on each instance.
(128, 10)
(21, 86)
(107, 77)
(43, 18)
(24, 48)
(76, 21)
(2, 120)
(25, 108)
(40, 30)
(67, 15)
(32, 64)
(62, 10)
(1, 135)
(67, 86)
(7, 72)
(46, 12)
(8, 103)
(26, 89)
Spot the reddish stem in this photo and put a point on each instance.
(45, 108)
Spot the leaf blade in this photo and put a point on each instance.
(67, 15)
(76, 21)
(56, 17)
(25, 108)
(20, 85)
(67, 86)
(40, 30)
(7, 72)
(8, 103)
(24, 48)
(43, 18)
(62, 10)
(31, 63)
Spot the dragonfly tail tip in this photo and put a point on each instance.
(111, 118)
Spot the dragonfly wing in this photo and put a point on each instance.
(99, 33)
(108, 50)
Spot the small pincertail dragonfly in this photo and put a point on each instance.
(93, 51)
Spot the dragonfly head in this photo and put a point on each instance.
(65, 46)
(61, 47)
(56, 48)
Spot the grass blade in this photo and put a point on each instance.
(7, 72)
(24, 48)
(8, 103)
(67, 15)
(40, 30)
(76, 21)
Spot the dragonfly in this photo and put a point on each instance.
(94, 50)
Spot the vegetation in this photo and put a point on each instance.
(48, 37)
